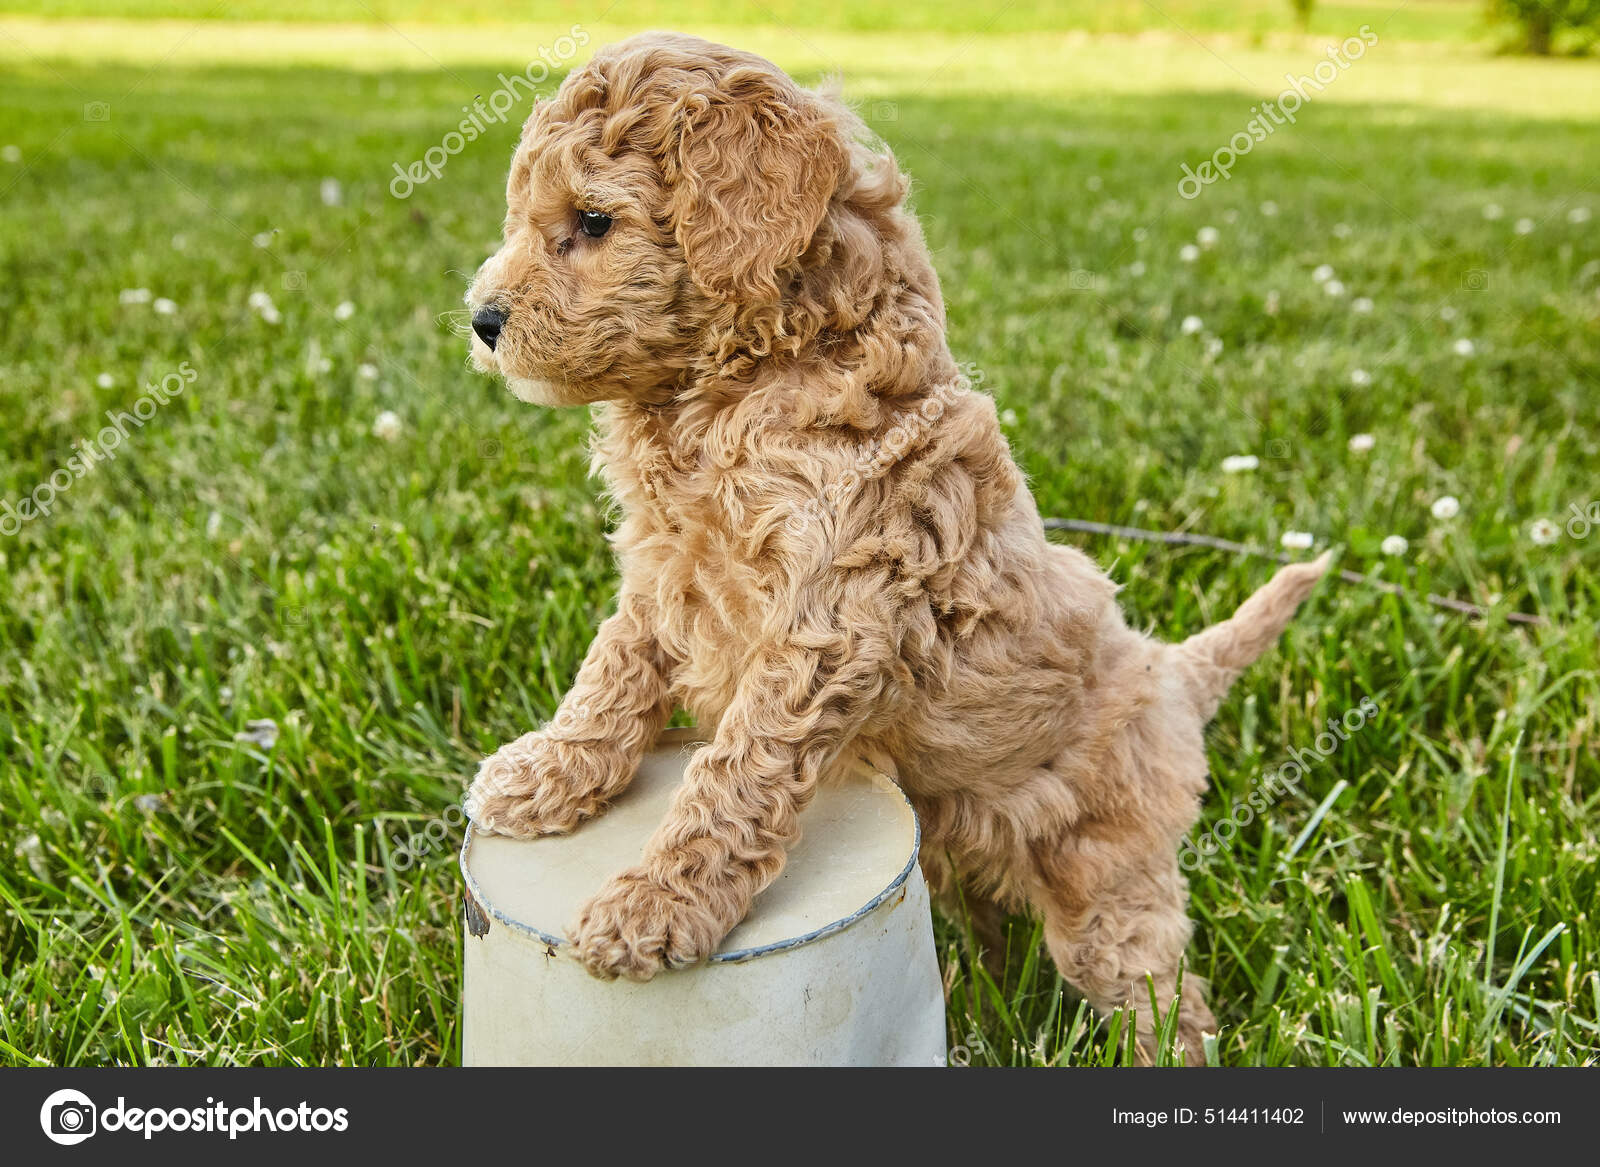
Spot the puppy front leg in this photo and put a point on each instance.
(549, 781)
(733, 819)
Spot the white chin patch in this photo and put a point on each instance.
(534, 391)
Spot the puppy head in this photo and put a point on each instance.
(670, 185)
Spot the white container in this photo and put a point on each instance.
(834, 965)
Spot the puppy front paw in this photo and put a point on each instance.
(536, 786)
(635, 927)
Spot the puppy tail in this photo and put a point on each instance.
(1211, 661)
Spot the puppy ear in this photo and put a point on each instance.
(756, 166)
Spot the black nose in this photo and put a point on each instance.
(487, 323)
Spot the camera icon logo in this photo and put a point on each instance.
(96, 111)
(68, 1117)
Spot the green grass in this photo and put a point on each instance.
(176, 895)
(1420, 20)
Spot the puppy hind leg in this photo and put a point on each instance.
(1115, 932)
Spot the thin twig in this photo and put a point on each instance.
(1186, 539)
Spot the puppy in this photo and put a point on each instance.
(825, 546)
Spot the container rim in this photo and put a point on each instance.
(562, 946)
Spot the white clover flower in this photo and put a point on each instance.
(1523, 227)
(271, 315)
(1543, 532)
(367, 372)
(1214, 346)
(1297, 540)
(11, 154)
(1188, 253)
(1333, 288)
(332, 193)
(1492, 211)
(387, 425)
(133, 296)
(1191, 325)
(105, 380)
(261, 732)
(1446, 506)
(344, 310)
(259, 300)
(1269, 208)
(1360, 377)
(1578, 215)
(1394, 545)
(263, 240)
(164, 306)
(1464, 347)
(33, 851)
(1136, 268)
(1239, 463)
(1322, 273)
(1447, 313)
(1008, 417)
(1361, 443)
(1207, 236)
(1361, 304)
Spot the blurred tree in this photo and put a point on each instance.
(1541, 20)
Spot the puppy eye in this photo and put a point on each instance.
(593, 223)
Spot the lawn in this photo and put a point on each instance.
(1447, 20)
(398, 595)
